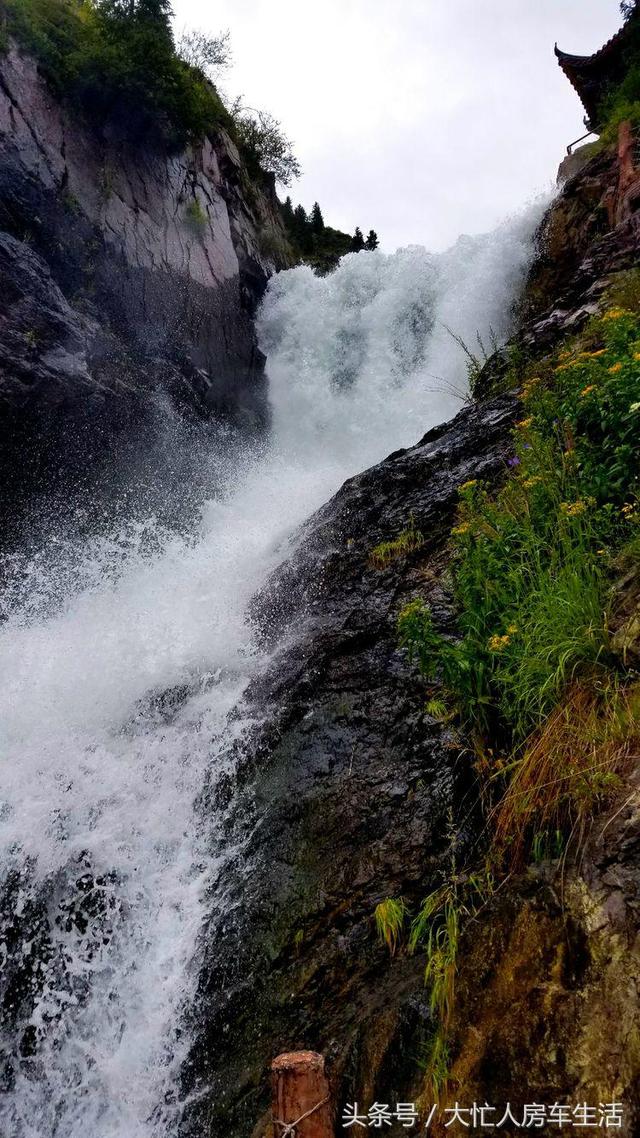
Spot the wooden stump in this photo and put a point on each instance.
(300, 1088)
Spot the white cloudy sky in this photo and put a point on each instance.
(420, 118)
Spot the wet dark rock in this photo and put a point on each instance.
(347, 796)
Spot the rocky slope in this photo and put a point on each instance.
(347, 794)
(351, 793)
(130, 279)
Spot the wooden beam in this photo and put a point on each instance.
(301, 1100)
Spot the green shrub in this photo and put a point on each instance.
(531, 572)
(265, 146)
(119, 65)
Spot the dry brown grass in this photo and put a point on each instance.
(569, 767)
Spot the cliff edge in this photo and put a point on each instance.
(130, 279)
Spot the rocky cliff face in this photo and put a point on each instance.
(129, 278)
(351, 793)
(589, 237)
(348, 795)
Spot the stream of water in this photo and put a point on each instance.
(122, 655)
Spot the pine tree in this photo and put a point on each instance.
(300, 221)
(158, 11)
(287, 212)
(117, 8)
(146, 26)
(357, 241)
(317, 220)
(302, 234)
(372, 240)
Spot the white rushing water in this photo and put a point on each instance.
(100, 841)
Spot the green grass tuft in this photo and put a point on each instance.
(390, 916)
(387, 552)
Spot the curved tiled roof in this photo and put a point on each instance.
(590, 75)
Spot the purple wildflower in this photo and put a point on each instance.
(515, 461)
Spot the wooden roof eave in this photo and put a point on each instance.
(583, 70)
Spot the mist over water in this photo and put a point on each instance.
(123, 653)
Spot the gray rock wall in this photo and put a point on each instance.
(125, 273)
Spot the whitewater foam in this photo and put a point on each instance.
(124, 658)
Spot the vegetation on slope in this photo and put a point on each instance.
(116, 61)
(541, 677)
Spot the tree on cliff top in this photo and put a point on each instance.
(266, 145)
(318, 244)
(287, 211)
(208, 54)
(317, 220)
(117, 62)
(357, 241)
(131, 9)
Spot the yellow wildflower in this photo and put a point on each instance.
(613, 314)
(468, 485)
(616, 368)
(464, 527)
(497, 643)
(533, 481)
(636, 355)
(524, 424)
(573, 509)
(530, 384)
(594, 355)
(588, 389)
(512, 629)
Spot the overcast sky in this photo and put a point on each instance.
(423, 119)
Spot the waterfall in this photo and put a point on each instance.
(124, 652)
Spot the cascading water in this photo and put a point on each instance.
(123, 656)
